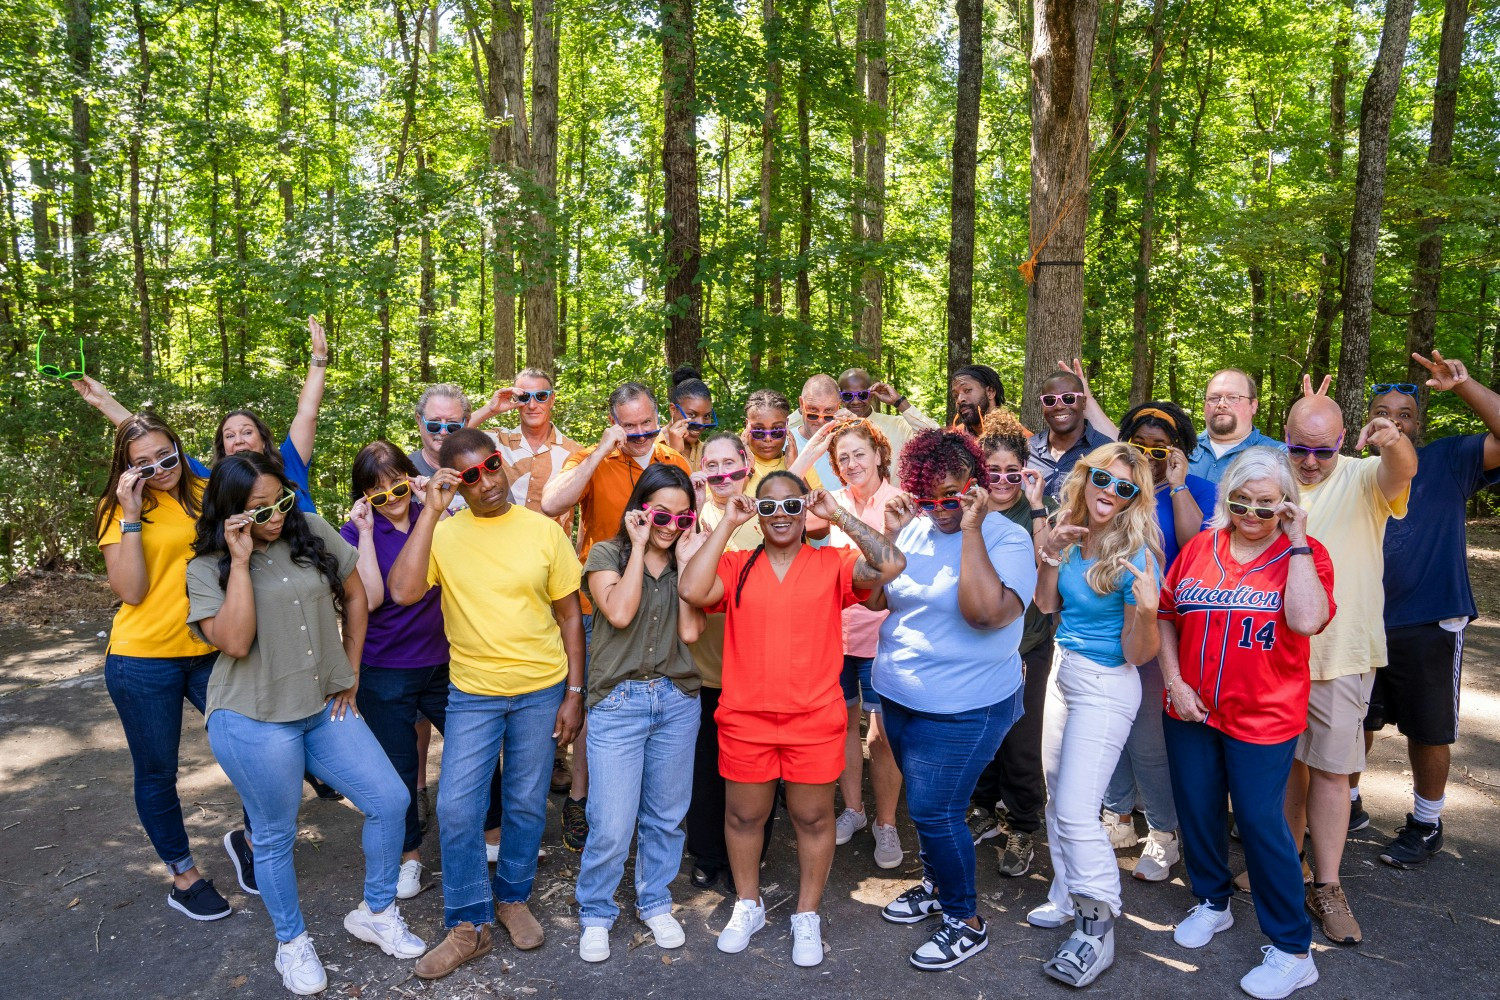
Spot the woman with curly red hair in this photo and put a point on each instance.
(948, 669)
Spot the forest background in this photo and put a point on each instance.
(607, 188)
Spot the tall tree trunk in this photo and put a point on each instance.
(877, 90)
(133, 154)
(541, 290)
(80, 50)
(857, 141)
(682, 255)
(1062, 57)
(1331, 278)
(284, 181)
(1142, 369)
(804, 164)
(961, 210)
(241, 264)
(426, 302)
(767, 264)
(1375, 112)
(1426, 274)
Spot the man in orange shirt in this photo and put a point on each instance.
(599, 481)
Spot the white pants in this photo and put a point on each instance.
(1084, 727)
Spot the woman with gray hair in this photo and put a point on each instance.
(1237, 608)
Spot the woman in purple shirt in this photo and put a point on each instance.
(403, 671)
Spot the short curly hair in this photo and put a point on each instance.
(934, 454)
(1002, 421)
(872, 434)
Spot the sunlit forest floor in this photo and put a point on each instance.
(82, 909)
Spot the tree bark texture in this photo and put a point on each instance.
(961, 210)
(80, 49)
(683, 253)
(1142, 368)
(877, 91)
(133, 155)
(541, 289)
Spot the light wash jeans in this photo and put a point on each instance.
(481, 728)
(266, 761)
(1142, 777)
(641, 743)
(1085, 723)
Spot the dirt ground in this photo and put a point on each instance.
(82, 911)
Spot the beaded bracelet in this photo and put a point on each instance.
(129, 527)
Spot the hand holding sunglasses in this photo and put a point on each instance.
(128, 492)
(362, 516)
(164, 464)
(739, 510)
(437, 494)
(660, 517)
(399, 491)
(1293, 522)
(263, 515)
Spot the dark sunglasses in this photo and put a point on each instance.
(526, 396)
(1067, 398)
(698, 425)
(791, 505)
(853, 395)
(470, 476)
(1123, 488)
(661, 518)
(1160, 454)
(1381, 388)
(930, 504)
(166, 464)
(1301, 451)
(1005, 477)
(1241, 509)
(774, 433)
(720, 478)
(56, 371)
(442, 426)
(260, 515)
(401, 489)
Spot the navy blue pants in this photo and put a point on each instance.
(1206, 766)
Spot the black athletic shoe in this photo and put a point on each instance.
(327, 792)
(243, 859)
(199, 901)
(1414, 844)
(575, 822)
(1358, 818)
(913, 906)
(954, 942)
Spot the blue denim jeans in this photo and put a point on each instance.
(266, 761)
(481, 728)
(641, 741)
(148, 693)
(391, 699)
(1141, 777)
(941, 757)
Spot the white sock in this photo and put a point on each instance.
(1427, 810)
(1353, 793)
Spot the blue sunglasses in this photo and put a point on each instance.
(1381, 388)
(694, 425)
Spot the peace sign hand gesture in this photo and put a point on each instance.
(1446, 373)
(1145, 590)
(1307, 389)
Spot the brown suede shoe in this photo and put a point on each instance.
(1242, 880)
(1331, 909)
(525, 932)
(464, 943)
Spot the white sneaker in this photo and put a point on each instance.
(667, 931)
(1161, 852)
(409, 882)
(492, 853)
(807, 939)
(1121, 829)
(301, 971)
(1279, 974)
(385, 929)
(593, 945)
(888, 852)
(1201, 924)
(748, 917)
(1049, 916)
(847, 825)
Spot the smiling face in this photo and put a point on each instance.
(674, 501)
(1401, 410)
(764, 418)
(445, 409)
(240, 434)
(1102, 503)
(1256, 493)
(395, 508)
(637, 416)
(1063, 417)
(490, 495)
(721, 457)
(951, 485)
(695, 410)
(1228, 409)
(1004, 494)
(971, 400)
(535, 415)
(782, 530)
(857, 381)
(149, 449)
(1151, 436)
(858, 460)
(268, 490)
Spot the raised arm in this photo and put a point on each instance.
(879, 561)
(94, 394)
(501, 401)
(232, 628)
(983, 598)
(363, 519)
(1092, 411)
(914, 417)
(125, 563)
(1450, 375)
(305, 423)
(564, 490)
(698, 582)
(1187, 516)
(1398, 459)
(1305, 601)
(617, 594)
(407, 581)
(1139, 638)
(1050, 546)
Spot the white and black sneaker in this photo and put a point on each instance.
(200, 901)
(243, 859)
(954, 942)
(914, 905)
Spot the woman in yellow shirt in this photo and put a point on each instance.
(144, 526)
(772, 447)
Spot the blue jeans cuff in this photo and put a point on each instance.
(606, 922)
(473, 913)
(182, 865)
(655, 909)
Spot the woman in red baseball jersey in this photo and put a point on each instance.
(1236, 611)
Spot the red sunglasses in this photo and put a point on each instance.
(930, 504)
(470, 476)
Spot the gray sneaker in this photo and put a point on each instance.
(983, 824)
(888, 852)
(1016, 858)
(847, 825)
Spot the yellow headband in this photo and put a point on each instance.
(1152, 411)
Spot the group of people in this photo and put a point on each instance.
(1064, 627)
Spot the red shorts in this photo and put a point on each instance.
(802, 747)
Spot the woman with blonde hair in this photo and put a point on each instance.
(1100, 569)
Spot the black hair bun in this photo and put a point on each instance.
(684, 373)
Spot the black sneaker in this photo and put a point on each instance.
(1414, 844)
(954, 942)
(243, 859)
(1016, 858)
(983, 824)
(199, 901)
(1358, 818)
(575, 823)
(914, 905)
(326, 792)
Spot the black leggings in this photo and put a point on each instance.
(705, 815)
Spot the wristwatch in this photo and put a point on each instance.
(1299, 550)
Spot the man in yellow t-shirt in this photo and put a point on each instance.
(510, 608)
(1348, 502)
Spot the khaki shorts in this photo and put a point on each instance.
(1334, 740)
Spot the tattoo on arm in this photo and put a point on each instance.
(875, 550)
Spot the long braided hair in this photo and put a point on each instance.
(759, 489)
